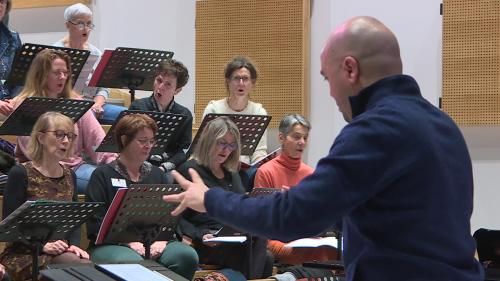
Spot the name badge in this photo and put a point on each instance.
(119, 182)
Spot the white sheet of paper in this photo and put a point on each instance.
(227, 239)
(313, 242)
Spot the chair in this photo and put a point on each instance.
(119, 97)
(488, 250)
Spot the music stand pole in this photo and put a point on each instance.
(147, 233)
(36, 243)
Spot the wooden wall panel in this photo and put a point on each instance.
(20, 4)
(273, 33)
(471, 61)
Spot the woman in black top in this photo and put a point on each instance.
(216, 159)
(135, 136)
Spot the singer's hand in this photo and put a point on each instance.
(138, 247)
(55, 248)
(6, 107)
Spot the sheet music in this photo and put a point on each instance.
(227, 239)
(135, 272)
(261, 161)
(313, 242)
(86, 73)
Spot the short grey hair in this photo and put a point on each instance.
(289, 121)
(76, 10)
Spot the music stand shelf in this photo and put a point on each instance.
(138, 213)
(168, 127)
(21, 121)
(24, 57)
(251, 127)
(129, 68)
(37, 222)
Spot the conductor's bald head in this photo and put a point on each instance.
(357, 53)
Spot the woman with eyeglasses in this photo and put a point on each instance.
(240, 79)
(135, 136)
(50, 76)
(216, 159)
(78, 19)
(43, 178)
(9, 44)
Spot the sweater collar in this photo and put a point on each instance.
(389, 86)
(158, 107)
(288, 162)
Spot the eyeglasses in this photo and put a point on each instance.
(59, 73)
(150, 142)
(82, 25)
(223, 145)
(60, 134)
(237, 79)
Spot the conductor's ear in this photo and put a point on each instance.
(351, 67)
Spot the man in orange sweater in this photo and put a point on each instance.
(287, 170)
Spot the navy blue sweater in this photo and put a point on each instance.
(398, 177)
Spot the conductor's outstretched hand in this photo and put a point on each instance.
(194, 195)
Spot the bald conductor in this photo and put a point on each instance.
(398, 176)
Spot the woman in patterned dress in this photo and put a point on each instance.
(43, 178)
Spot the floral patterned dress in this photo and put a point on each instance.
(27, 183)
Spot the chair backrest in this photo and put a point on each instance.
(488, 245)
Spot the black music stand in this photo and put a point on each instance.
(142, 215)
(251, 127)
(24, 57)
(21, 121)
(129, 68)
(37, 222)
(168, 127)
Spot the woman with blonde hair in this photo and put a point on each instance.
(50, 76)
(216, 159)
(43, 178)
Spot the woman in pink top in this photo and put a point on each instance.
(286, 171)
(50, 76)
